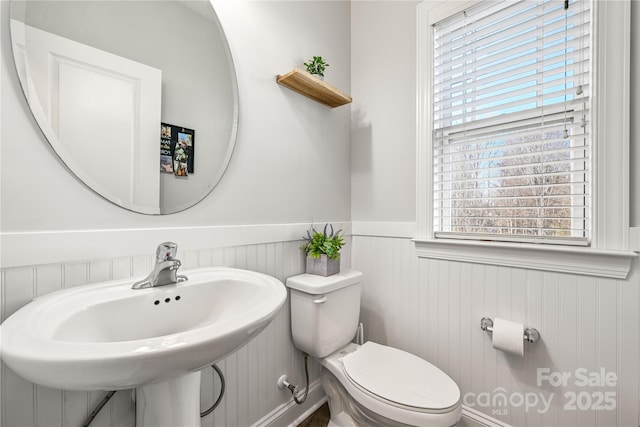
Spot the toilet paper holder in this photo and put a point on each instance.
(530, 334)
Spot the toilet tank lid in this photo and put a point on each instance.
(314, 284)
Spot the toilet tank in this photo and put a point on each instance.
(324, 311)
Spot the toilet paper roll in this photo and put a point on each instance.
(508, 336)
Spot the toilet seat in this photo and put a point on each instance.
(334, 367)
(401, 379)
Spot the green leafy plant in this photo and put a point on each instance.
(316, 66)
(323, 243)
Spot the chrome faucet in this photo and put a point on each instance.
(165, 271)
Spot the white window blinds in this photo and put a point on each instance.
(511, 122)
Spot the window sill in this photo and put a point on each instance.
(584, 261)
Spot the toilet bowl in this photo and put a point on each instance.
(369, 384)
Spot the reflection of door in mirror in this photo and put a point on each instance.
(106, 109)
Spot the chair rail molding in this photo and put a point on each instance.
(46, 247)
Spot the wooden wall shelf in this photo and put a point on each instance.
(314, 88)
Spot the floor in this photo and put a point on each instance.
(320, 418)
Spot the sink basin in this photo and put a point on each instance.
(108, 336)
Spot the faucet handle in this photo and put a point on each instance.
(166, 251)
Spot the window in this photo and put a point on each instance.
(511, 120)
(595, 153)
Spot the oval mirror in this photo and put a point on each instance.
(138, 98)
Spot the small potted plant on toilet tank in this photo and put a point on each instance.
(323, 250)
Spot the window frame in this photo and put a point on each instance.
(609, 254)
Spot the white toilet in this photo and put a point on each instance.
(371, 384)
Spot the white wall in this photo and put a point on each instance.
(287, 145)
(383, 120)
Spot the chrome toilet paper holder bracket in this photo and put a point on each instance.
(530, 334)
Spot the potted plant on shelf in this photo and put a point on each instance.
(323, 250)
(316, 66)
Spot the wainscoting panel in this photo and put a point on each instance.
(588, 325)
(251, 373)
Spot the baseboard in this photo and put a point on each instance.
(474, 418)
(307, 413)
(291, 414)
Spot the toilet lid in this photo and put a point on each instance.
(401, 377)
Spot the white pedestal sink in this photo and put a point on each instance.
(184, 394)
(108, 337)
